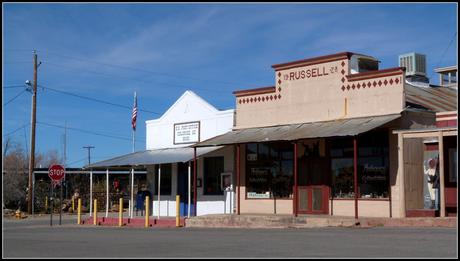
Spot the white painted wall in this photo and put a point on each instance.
(188, 108)
(160, 134)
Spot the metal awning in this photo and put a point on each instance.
(342, 127)
(151, 157)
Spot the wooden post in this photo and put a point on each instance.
(238, 177)
(295, 181)
(401, 174)
(355, 171)
(441, 175)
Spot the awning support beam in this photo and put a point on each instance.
(238, 177)
(355, 171)
(296, 204)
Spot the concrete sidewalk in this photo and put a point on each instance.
(312, 221)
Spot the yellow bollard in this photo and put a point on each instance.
(177, 211)
(73, 204)
(46, 204)
(95, 213)
(79, 212)
(147, 208)
(120, 212)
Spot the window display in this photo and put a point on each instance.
(373, 166)
(269, 169)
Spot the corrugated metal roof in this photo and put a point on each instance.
(343, 127)
(433, 98)
(150, 157)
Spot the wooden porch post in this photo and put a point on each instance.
(400, 174)
(441, 175)
(295, 181)
(238, 178)
(355, 170)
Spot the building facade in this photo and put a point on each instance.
(320, 140)
(189, 120)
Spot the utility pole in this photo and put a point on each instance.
(89, 153)
(32, 137)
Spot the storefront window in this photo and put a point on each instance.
(165, 186)
(373, 171)
(342, 178)
(213, 168)
(269, 170)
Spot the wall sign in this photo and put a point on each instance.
(303, 73)
(188, 132)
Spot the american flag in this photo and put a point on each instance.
(134, 116)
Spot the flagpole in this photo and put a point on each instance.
(134, 129)
(133, 123)
(134, 140)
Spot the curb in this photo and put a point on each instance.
(270, 222)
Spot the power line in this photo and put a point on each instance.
(73, 162)
(13, 86)
(16, 130)
(143, 70)
(136, 79)
(88, 131)
(442, 56)
(95, 100)
(19, 94)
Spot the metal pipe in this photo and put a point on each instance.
(107, 194)
(95, 213)
(132, 193)
(79, 212)
(194, 181)
(147, 210)
(90, 193)
(177, 211)
(189, 181)
(159, 187)
(120, 212)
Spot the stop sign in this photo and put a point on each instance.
(56, 173)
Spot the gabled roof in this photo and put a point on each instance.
(186, 96)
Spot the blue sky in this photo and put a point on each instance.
(108, 51)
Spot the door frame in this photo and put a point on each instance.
(325, 196)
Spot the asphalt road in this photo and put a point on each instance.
(35, 238)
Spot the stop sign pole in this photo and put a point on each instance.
(56, 174)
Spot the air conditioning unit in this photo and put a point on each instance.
(415, 63)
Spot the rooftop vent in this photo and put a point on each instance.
(415, 63)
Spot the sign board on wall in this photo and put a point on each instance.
(188, 132)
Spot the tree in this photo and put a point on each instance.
(16, 173)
